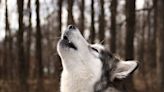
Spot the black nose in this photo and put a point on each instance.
(71, 27)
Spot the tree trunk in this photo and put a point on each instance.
(28, 43)
(60, 3)
(70, 14)
(113, 25)
(154, 46)
(151, 49)
(6, 44)
(160, 44)
(58, 65)
(130, 29)
(28, 56)
(1, 65)
(92, 28)
(38, 48)
(101, 22)
(82, 7)
(21, 55)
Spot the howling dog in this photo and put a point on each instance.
(89, 67)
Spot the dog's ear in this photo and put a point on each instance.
(123, 69)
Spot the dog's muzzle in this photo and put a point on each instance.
(65, 39)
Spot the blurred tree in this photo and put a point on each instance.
(101, 22)
(154, 46)
(58, 66)
(38, 48)
(92, 28)
(70, 19)
(28, 42)
(21, 54)
(141, 51)
(6, 44)
(60, 3)
(160, 44)
(130, 29)
(5, 71)
(82, 18)
(1, 64)
(113, 30)
(151, 51)
(155, 31)
(9, 49)
(28, 56)
(147, 43)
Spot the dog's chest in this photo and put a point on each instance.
(81, 81)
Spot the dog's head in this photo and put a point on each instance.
(75, 52)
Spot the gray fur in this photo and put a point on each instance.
(109, 64)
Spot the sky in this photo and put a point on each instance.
(47, 7)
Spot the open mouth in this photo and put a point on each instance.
(68, 43)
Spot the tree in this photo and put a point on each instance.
(60, 15)
(58, 65)
(1, 65)
(154, 53)
(130, 30)
(38, 47)
(70, 14)
(101, 22)
(29, 32)
(92, 28)
(151, 46)
(21, 55)
(6, 40)
(160, 44)
(38, 40)
(28, 43)
(82, 8)
(6, 43)
(113, 25)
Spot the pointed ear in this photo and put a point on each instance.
(123, 69)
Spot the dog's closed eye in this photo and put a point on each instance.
(94, 49)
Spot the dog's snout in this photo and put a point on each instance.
(71, 27)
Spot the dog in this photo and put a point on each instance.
(89, 67)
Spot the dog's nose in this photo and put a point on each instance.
(71, 27)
